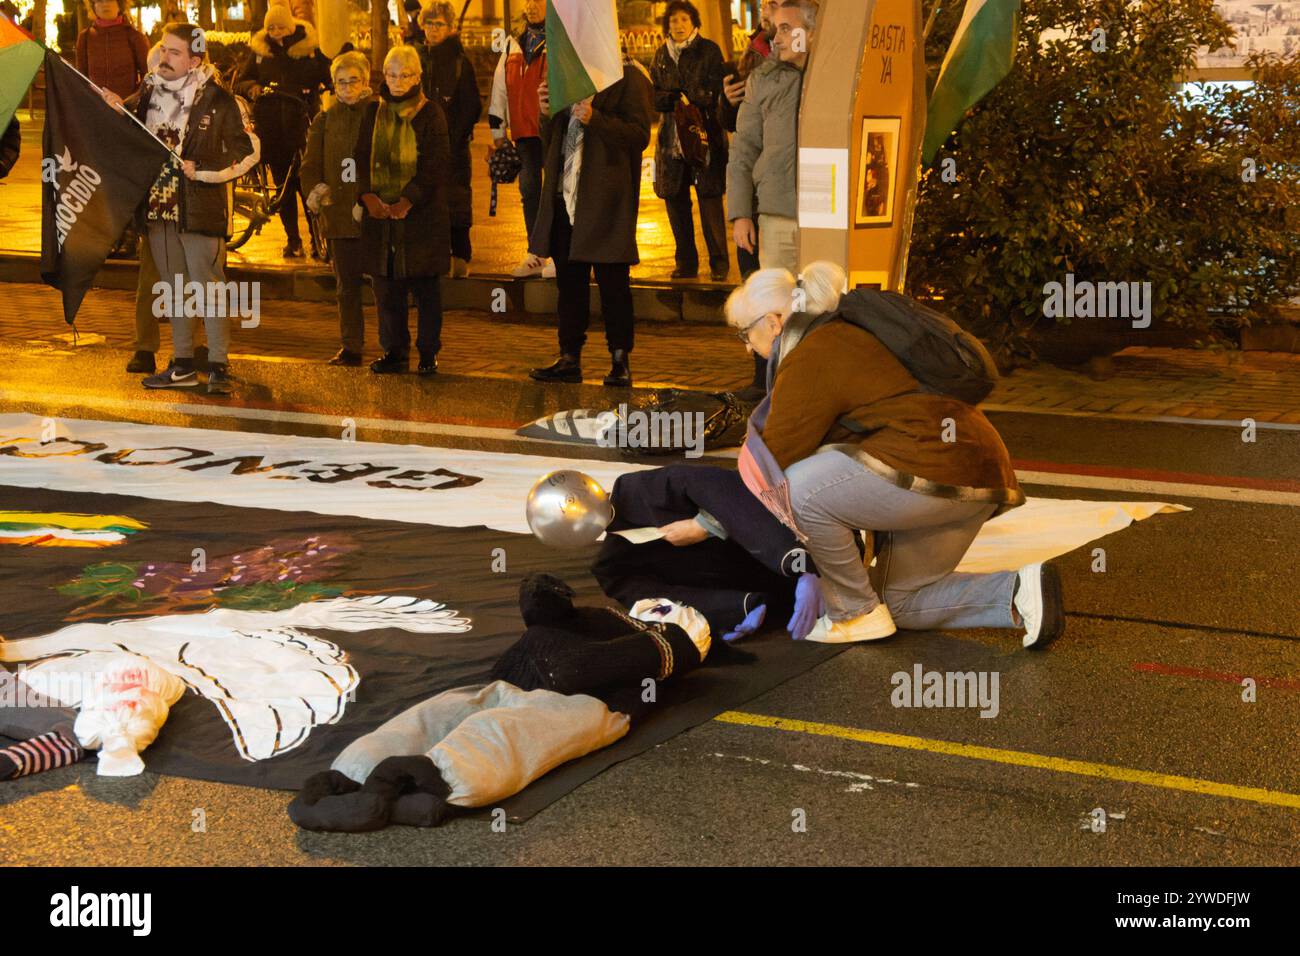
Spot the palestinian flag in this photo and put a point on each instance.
(582, 49)
(978, 58)
(20, 58)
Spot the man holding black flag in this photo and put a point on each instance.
(182, 104)
(97, 167)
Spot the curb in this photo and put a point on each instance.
(652, 301)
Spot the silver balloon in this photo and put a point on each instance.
(567, 509)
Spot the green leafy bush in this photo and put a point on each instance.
(1093, 158)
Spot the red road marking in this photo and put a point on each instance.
(1155, 474)
(1174, 670)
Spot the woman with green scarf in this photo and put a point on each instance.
(402, 161)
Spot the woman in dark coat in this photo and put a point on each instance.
(447, 76)
(591, 227)
(688, 69)
(285, 55)
(402, 157)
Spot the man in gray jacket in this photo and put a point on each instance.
(764, 151)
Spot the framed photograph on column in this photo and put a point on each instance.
(878, 165)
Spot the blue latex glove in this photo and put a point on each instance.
(808, 606)
(752, 622)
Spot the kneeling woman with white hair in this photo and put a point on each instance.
(848, 439)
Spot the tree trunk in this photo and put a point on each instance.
(378, 34)
(38, 20)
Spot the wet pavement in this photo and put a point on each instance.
(1144, 691)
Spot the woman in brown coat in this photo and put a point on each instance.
(111, 51)
(848, 439)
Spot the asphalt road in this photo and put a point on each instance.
(1142, 695)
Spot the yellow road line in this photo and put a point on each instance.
(1018, 758)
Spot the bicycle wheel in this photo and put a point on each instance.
(250, 210)
(320, 247)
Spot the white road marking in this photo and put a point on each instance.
(861, 781)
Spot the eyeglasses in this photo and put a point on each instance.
(402, 76)
(357, 82)
(743, 334)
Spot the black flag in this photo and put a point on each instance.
(98, 166)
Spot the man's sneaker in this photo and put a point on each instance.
(173, 376)
(872, 626)
(531, 266)
(459, 268)
(1039, 603)
(548, 270)
(428, 366)
(141, 363)
(219, 382)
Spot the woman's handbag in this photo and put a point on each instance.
(503, 167)
(692, 137)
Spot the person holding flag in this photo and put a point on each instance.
(184, 106)
(596, 112)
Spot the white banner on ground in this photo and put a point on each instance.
(1044, 528)
(411, 483)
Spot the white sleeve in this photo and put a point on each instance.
(238, 169)
(499, 103)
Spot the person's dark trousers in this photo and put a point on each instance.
(717, 578)
(573, 283)
(460, 244)
(345, 258)
(713, 222)
(391, 297)
(530, 177)
(289, 205)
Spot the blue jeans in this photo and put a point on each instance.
(530, 178)
(924, 539)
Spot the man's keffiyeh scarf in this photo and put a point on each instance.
(170, 102)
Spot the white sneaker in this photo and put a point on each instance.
(1039, 603)
(531, 266)
(872, 626)
(548, 270)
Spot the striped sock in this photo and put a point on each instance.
(38, 754)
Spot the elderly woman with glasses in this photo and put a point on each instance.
(331, 193)
(402, 155)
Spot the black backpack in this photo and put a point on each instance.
(940, 354)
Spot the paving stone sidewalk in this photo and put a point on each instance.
(1183, 383)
